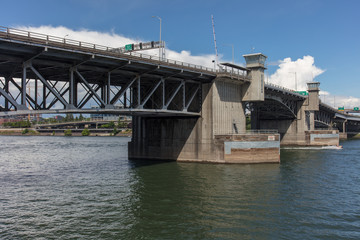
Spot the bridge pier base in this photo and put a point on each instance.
(217, 136)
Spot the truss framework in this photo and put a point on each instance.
(48, 80)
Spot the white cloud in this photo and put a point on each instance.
(115, 40)
(339, 101)
(306, 71)
(295, 74)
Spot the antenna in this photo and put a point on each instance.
(213, 27)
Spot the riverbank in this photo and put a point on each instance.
(55, 132)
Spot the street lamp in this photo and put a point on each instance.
(160, 53)
(65, 37)
(295, 80)
(232, 46)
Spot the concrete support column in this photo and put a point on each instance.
(312, 120)
(344, 126)
(255, 123)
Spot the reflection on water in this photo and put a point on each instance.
(84, 187)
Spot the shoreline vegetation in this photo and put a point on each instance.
(66, 126)
(72, 132)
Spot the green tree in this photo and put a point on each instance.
(81, 117)
(115, 131)
(69, 117)
(85, 132)
(25, 131)
(68, 132)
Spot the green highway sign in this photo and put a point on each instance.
(304, 93)
(356, 108)
(128, 47)
(341, 108)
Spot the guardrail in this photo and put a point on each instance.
(282, 88)
(254, 131)
(32, 37)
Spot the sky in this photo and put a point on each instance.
(304, 40)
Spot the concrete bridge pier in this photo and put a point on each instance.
(218, 135)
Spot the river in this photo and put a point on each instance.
(86, 188)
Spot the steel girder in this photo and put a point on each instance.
(324, 118)
(67, 81)
(277, 105)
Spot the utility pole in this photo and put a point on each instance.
(160, 48)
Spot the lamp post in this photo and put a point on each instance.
(295, 80)
(160, 52)
(65, 37)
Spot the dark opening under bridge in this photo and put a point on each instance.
(180, 111)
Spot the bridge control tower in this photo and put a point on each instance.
(256, 64)
(313, 103)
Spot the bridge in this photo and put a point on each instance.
(180, 111)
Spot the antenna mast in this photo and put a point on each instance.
(213, 27)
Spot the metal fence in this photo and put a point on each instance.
(38, 38)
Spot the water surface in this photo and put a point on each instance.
(86, 188)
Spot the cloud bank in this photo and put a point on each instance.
(295, 75)
(111, 39)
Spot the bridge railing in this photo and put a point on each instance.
(252, 132)
(234, 72)
(39, 38)
(282, 88)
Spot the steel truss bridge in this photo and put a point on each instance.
(283, 104)
(46, 74)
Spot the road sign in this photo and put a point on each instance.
(356, 108)
(128, 47)
(341, 108)
(304, 93)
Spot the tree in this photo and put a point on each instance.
(85, 132)
(69, 117)
(81, 117)
(68, 132)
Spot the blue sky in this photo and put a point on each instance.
(324, 29)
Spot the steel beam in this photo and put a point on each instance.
(173, 95)
(11, 100)
(42, 79)
(150, 94)
(122, 91)
(90, 88)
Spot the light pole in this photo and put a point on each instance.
(232, 47)
(160, 52)
(295, 80)
(65, 37)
